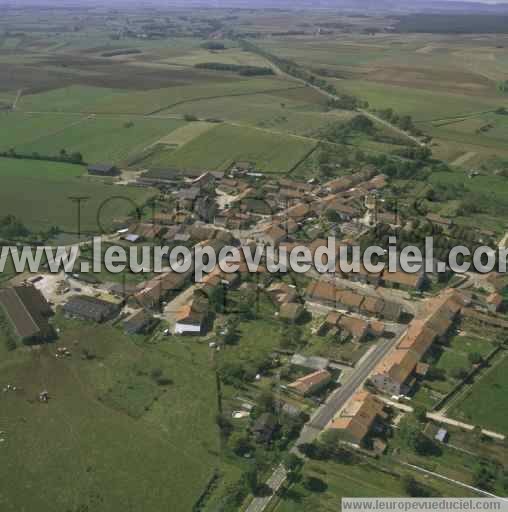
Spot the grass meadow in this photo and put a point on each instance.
(104, 139)
(220, 147)
(484, 404)
(110, 438)
(38, 194)
(86, 99)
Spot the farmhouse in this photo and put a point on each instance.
(144, 231)
(154, 291)
(90, 308)
(281, 293)
(339, 184)
(355, 327)
(273, 235)
(323, 292)
(291, 311)
(102, 170)
(264, 428)
(495, 302)
(357, 417)
(404, 280)
(191, 319)
(393, 372)
(311, 383)
(298, 212)
(28, 312)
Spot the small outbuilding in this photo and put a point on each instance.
(102, 170)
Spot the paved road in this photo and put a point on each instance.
(372, 116)
(339, 397)
(274, 482)
(326, 412)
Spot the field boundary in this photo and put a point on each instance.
(216, 97)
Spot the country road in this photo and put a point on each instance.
(370, 115)
(325, 414)
(16, 100)
(338, 399)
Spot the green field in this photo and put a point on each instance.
(280, 112)
(435, 79)
(103, 139)
(110, 438)
(219, 148)
(353, 481)
(17, 129)
(38, 194)
(85, 99)
(485, 403)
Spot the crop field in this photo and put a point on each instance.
(219, 148)
(110, 435)
(423, 105)
(278, 112)
(448, 86)
(186, 133)
(104, 139)
(485, 403)
(18, 128)
(99, 100)
(228, 56)
(38, 194)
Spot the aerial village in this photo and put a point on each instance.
(354, 353)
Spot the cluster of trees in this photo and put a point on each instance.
(484, 474)
(237, 373)
(213, 45)
(328, 447)
(400, 169)
(403, 122)
(159, 378)
(72, 158)
(347, 102)
(415, 440)
(416, 489)
(236, 68)
(340, 132)
(11, 227)
(116, 53)
(291, 68)
(503, 87)
(421, 153)
(420, 229)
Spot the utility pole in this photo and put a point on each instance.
(78, 200)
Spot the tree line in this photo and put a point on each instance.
(70, 158)
(236, 68)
